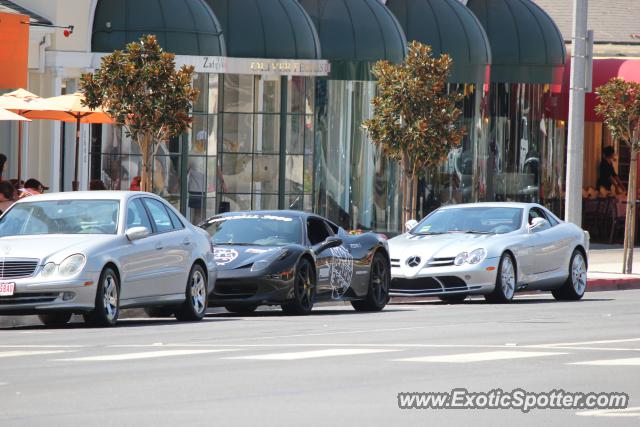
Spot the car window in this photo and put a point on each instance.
(334, 228)
(536, 213)
(159, 215)
(175, 221)
(317, 230)
(137, 215)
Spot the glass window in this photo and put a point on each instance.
(294, 174)
(260, 230)
(159, 215)
(296, 100)
(238, 93)
(213, 94)
(481, 220)
(269, 98)
(200, 83)
(263, 201)
(237, 173)
(237, 133)
(137, 215)
(295, 134)
(175, 221)
(265, 173)
(317, 230)
(267, 133)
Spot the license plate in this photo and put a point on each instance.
(7, 289)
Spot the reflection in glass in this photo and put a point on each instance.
(263, 201)
(237, 172)
(267, 133)
(269, 95)
(235, 202)
(296, 95)
(295, 134)
(238, 93)
(294, 178)
(237, 134)
(265, 173)
(200, 83)
(213, 94)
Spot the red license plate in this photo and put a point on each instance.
(7, 289)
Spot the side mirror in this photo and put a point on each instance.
(331, 242)
(538, 224)
(137, 233)
(410, 225)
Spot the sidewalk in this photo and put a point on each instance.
(605, 269)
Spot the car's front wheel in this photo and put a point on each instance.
(505, 281)
(378, 293)
(55, 319)
(195, 305)
(304, 288)
(576, 284)
(107, 305)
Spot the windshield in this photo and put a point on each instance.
(61, 217)
(481, 220)
(259, 230)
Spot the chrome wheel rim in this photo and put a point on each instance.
(198, 292)
(110, 297)
(379, 282)
(507, 278)
(305, 287)
(579, 274)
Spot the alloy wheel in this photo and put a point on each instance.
(198, 291)
(110, 297)
(507, 278)
(579, 274)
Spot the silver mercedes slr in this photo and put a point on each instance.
(492, 249)
(94, 253)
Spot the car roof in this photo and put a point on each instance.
(85, 195)
(520, 205)
(287, 213)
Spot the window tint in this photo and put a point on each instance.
(137, 216)
(317, 230)
(159, 215)
(175, 221)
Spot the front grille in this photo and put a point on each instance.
(235, 290)
(440, 262)
(452, 283)
(419, 284)
(29, 298)
(17, 269)
(395, 262)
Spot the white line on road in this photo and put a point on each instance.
(478, 357)
(28, 353)
(565, 344)
(42, 346)
(634, 361)
(312, 354)
(143, 355)
(628, 412)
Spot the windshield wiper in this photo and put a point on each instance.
(429, 233)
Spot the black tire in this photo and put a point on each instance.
(378, 292)
(453, 298)
(576, 284)
(504, 291)
(107, 305)
(241, 308)
(159, 311)
(55, 319)
(194, 306)
(304, 290)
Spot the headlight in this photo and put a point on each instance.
(266, 262)
(472, 257)
(71, 265)
(48, 270)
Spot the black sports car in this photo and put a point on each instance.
(294, 259)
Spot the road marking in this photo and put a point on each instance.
(634, 361)
(628, 412)
(566, 344)
(42, 346)
(478, 357)
(332, 352)
(28, 353)
(143, 355)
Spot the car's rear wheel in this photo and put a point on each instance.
(55, 319)
(241, 308)
(159, 311)
(453, 298)
(576, 284)
(107, 305)
(304, 290)
(378, 293)
(505, 281)
(195, 305)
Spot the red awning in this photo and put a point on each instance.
(603, 71)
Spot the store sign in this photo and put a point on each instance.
(14, 50)
(224, 65)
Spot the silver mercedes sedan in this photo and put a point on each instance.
(492, 249)
(94, 253)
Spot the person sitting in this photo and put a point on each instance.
(97, 184)
(607, 176)
(33, 187)
(7, 195)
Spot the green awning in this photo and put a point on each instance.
(184, 27)
(526, 45)
(448, 27)
(354, 34)
(275, 29)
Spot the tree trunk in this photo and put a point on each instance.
(146, 148)
(630, 221)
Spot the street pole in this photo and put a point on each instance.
(575, 146)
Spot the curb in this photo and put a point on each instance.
(599, 284)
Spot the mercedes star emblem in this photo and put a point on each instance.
(413, 261)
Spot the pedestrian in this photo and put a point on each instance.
(33, 187)
(3, 160)
(8, 195)
(135, 184)
(97, 184)
(607, 176)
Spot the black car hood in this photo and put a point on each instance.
(230, 257)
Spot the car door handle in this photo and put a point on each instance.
(159, 246)
(186, 242)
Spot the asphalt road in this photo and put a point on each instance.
(335, 367)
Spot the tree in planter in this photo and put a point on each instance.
(620, 107)
(414, 119)
(142, 90)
